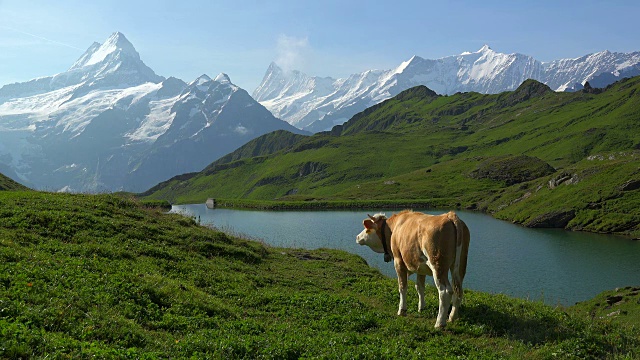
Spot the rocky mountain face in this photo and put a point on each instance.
(110, 123)
(317, 104)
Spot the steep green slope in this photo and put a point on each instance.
(8, 184)
(266, 144)
(427, 148)
(101, 276)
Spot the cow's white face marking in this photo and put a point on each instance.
(369, 237)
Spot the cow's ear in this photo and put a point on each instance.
(368, 224)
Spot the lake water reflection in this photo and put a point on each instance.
(556, 266)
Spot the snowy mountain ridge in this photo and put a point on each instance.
(110, 123)
(115, 63)
(317, 104)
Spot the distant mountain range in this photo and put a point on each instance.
(318, 103)
(110, 123)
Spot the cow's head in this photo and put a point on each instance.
(370, 236)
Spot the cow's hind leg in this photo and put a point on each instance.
(457, 275)
(455, 306)
(402, 272)
(420, 280)
(456, 298)
(444, 296)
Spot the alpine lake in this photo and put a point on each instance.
(555, 266)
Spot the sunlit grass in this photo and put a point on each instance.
(105, 276)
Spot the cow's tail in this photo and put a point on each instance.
(458, 273)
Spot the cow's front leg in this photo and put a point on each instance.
(402, 272)
(420, 280)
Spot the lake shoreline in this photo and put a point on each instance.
(527, 259)
(438, 204)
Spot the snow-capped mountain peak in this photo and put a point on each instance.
(274, 68)
(112, 64)
(110, 123)
(200, 80)
(479, 53)
(223, 78)
(484, 49)
(272, 82)
(405, 65)
(316, 105)
(115, 63)
(118, 40)
(117, 44)
(205, 84)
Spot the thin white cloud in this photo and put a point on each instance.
(292, 52)
(41, 38)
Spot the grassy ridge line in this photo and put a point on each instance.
(7, 183)
(417, 146)
(105, 276)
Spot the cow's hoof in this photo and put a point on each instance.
(440, 326)
(402, 312)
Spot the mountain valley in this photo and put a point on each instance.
(110, 123)
(533, 156)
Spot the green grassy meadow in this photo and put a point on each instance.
(107, 276)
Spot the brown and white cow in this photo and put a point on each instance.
(426, 245)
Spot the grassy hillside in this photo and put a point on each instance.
(8, 184)
(464, 150)
(104, 276)
(263, 145)
(620, 306)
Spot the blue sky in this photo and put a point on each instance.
(326, 38)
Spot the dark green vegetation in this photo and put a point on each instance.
(533, 156)
(620, 306)
(104, 276)
(8, 184)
